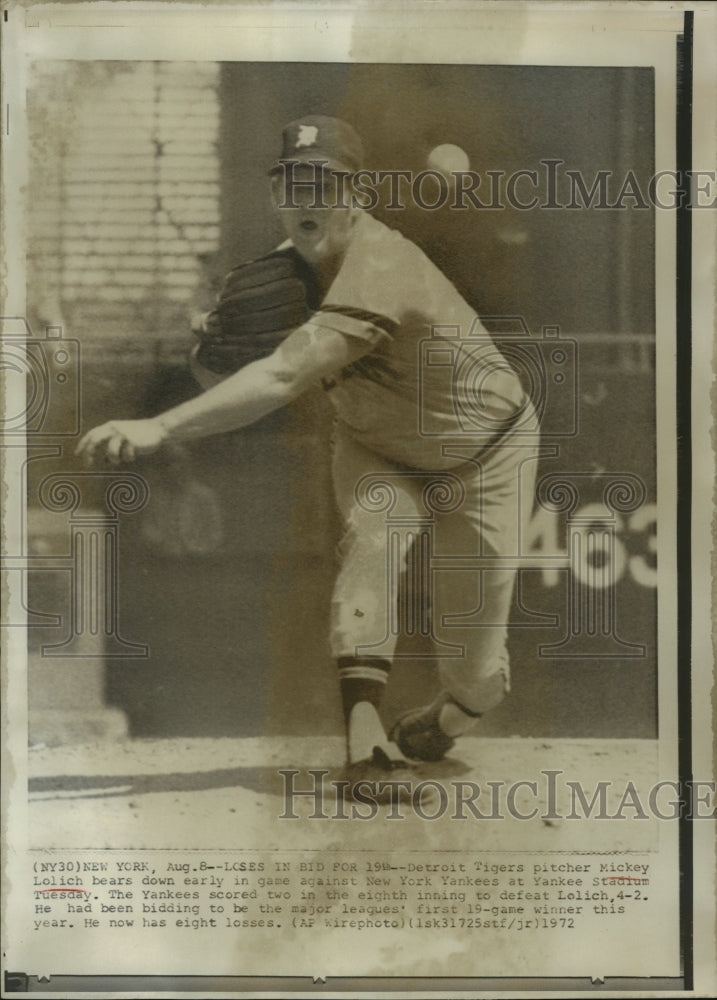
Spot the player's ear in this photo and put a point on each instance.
(354, 212)
(353, 199)
(276, 191)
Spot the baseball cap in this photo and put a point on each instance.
(319, 137)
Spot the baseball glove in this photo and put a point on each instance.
(259, 305)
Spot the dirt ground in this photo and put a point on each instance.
(229, 794)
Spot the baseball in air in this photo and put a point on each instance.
(448, 159)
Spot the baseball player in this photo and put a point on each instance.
(374, 301)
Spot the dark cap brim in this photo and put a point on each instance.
(316, 160)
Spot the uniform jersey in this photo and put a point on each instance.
(433, 374)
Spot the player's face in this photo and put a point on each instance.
(314, 208)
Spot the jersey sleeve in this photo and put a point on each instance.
(352, 322)
(381, 276)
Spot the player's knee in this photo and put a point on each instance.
(364, 541)
(486, 692)
(496, 687)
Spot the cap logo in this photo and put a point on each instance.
(307, 136)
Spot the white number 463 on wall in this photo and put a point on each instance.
(599, 551)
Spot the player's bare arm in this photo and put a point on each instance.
(307, 355)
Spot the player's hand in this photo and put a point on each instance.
(121, 440)
(199, 322)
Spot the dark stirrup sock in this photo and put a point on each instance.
(362, 678)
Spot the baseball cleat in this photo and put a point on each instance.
(418, 734)
(375, 770)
